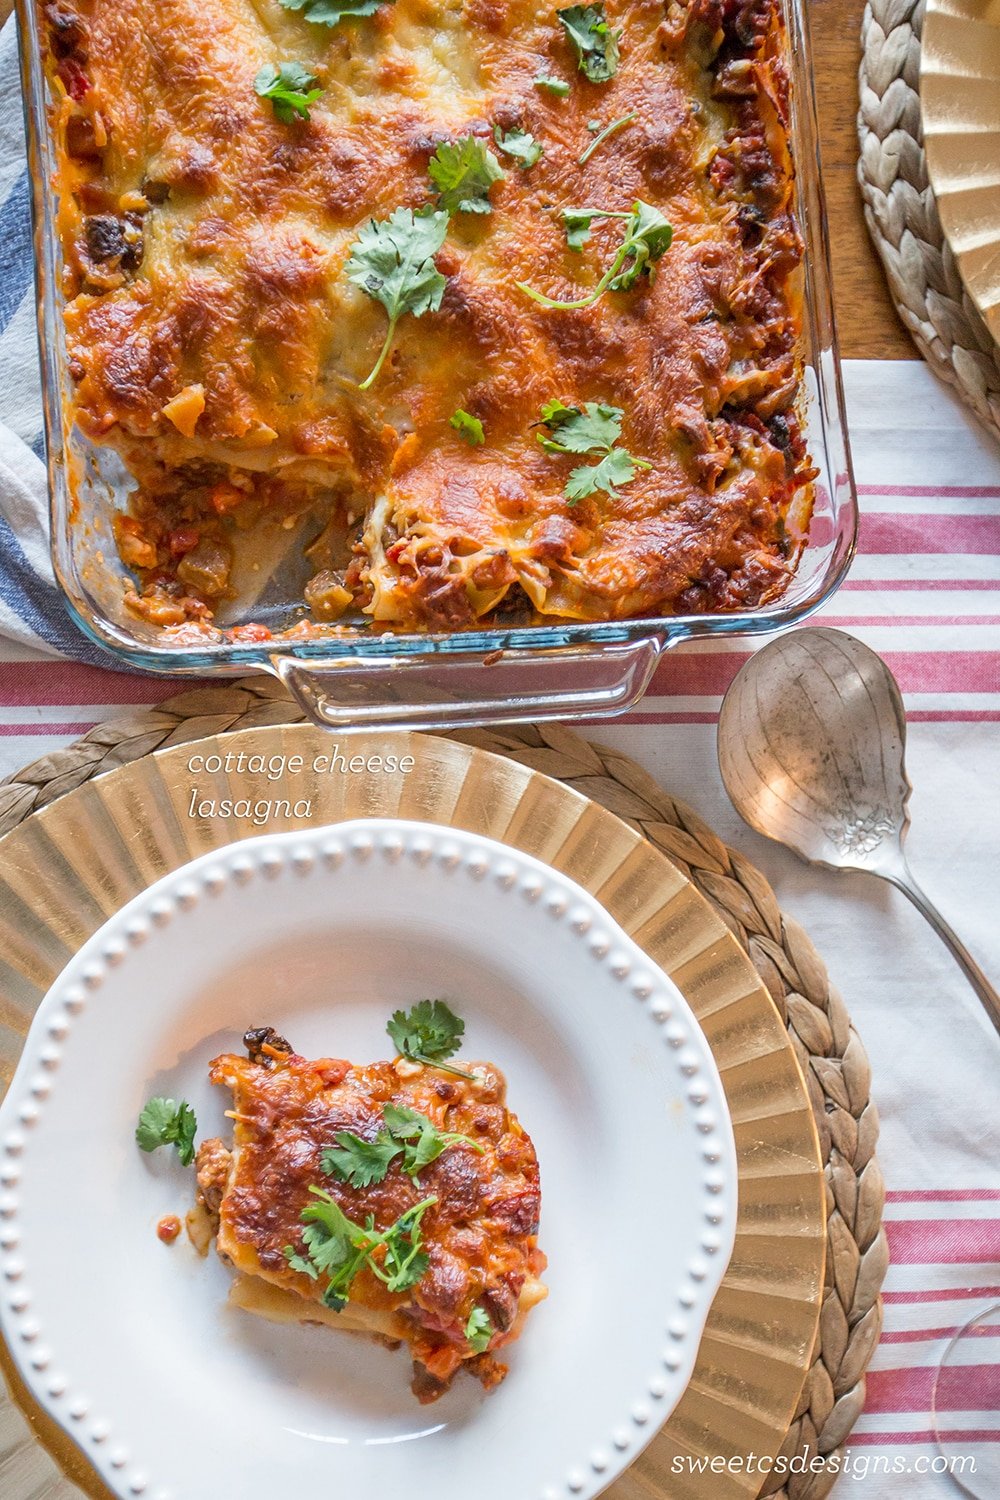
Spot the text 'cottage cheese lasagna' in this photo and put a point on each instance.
(397, 1200)
(500, 300)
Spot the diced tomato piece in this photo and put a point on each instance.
(249, 633)
(225, 497)
(442, 1361)
(183, 539)
(74, 79)
(331, 1071)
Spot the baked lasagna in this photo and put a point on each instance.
(398, 1200)
(498, 304)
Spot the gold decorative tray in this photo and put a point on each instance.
(68, 867)
(960, 110)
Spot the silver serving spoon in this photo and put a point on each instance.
(811, 740)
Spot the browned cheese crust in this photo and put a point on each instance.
(480, 1234)
(215, 340)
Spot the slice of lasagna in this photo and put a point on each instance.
(398, 1200)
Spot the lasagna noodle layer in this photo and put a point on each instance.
(275, 1305)
(215, 340)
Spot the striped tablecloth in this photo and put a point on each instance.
(925, 593)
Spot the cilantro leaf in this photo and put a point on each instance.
(595, 429)
(409, 1271)
(595, 44)
(360, 1162)
(407, 1133)
(469, 428)
(615, 468)
(392, 261)
(577, 223)
(404, 1124)
(423, 1143)
(647, 237)
(557, 86)
(164, 1122)
(336, 1247)
(602, 136)
(428, 1033)
(301, 1264)
(520, 145)
(332, 12)
(405, 1260)
(463, 172)
(330, 1236)
(479, 1330)
(290, 88)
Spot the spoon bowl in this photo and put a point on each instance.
(812, 740)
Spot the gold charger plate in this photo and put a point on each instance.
(70, 866)
(960, 110)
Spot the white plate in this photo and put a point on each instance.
(130, 1344)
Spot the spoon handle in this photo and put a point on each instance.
(903, 879)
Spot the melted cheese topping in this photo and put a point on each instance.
(216, 341)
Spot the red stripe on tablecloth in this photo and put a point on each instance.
(845, 621)
(890, 1439)
(638, 718)
(953, 716)
(682, 673)
(875, 584)
(945, 1294)
(894, 534)
(960, 1388)
(934, 491)
(943, 1195)
(691, 674)
(924, 1242)
(15, 731)
(666, 717)
(913, 715)
(24, 683)
(921, 1335)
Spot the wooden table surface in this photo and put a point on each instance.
(866, 319)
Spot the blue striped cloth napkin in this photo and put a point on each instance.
(32, 611)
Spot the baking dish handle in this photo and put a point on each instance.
(456, 690)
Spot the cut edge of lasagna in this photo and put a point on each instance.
(396, 1201)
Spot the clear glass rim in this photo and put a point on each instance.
(990, 1311)
(570, 638)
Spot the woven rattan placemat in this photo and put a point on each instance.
(832, 1058)
(902, 212)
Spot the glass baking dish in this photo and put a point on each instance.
(355, 678)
